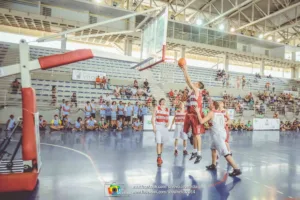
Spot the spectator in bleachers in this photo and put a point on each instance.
(296, 125)
(145, 111)
(11, 123)
(107, 98)
(140, 113)
(128, 113)
(119, 125)
(267, 86)
(128, 92)
(136, 125)
(135, 84)
(53, 102)
(108, 112)
(103, 125)
(121, 110)
(117, 92)
(79, 125)
(102, 110)
(276, 115)
(243, 82)
(140, 92)
(74, 99)
(61, 107)
(134, 92)
(103, 83)
(91, 124)
(171, 94)
(114, 109)
(273, 87)
(56, 124)
(108, 84)
(66, 108)
(88, 110)
(149, 101)
(238, 82)
(67, 123)
(146, 83)
(93, 106)
(122, 92)
(270, 76)
(136, 110)
(101, 100)
(98, 81)
(15, 86)
(43, 123)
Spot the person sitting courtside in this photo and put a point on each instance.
(98, 81)
(43, 123)
(137, 125)
(11, 123)
(56, 124)
(91, 124)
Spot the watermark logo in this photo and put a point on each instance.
(115, 190)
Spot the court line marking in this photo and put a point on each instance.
(99, 178)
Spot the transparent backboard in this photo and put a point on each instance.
(154, 37)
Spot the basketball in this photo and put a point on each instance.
(181, 62)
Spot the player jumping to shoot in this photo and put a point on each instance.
(191, 120)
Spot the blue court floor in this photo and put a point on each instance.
(82, 166)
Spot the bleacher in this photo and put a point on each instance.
(118, 69)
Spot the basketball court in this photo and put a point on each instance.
(93, 164)
(77, 170)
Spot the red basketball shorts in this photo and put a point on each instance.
(227, 134)
(191, 121)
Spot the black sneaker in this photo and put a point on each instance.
(194, 155)
(211, 167)
(191, 140)
(198, 159)
(235, 172)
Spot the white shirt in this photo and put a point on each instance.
(107, 98)
(134, 90)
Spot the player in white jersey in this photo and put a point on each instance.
(178, 133)
(218, 134)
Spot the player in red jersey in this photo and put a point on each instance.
(191, 119)
(160, 123)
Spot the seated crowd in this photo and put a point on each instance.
(290, 126)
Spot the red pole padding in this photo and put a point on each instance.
(66, 58)
(29, 144)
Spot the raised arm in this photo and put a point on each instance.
(188, 79)
(208, 117)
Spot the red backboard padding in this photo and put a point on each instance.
(66, 58)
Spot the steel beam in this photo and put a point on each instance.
(186, 6)
(269, 16)
(43, 39)
(228, 12)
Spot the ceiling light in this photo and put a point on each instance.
(260, 36)
(221, 27)
(232, 29)
(278, 40)
(199, 22)
(270, 38)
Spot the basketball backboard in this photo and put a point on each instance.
(154, 36)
